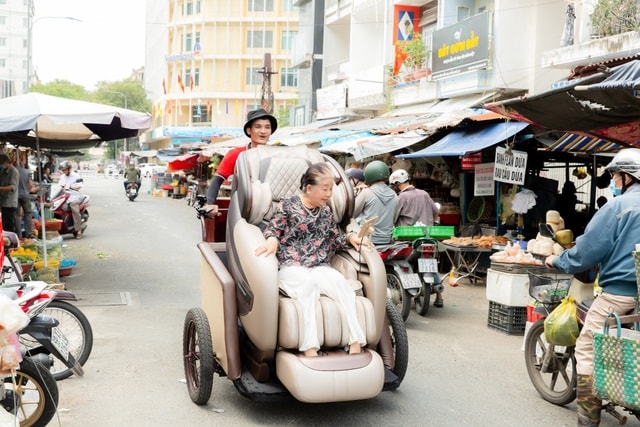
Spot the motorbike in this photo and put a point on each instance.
(70, 320)
(132, 190)
(248, 332)
(192, 193)
(412, 273)
(552, 368)
(61, 210)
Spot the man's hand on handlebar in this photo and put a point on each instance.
(548, 262)
(211, 210)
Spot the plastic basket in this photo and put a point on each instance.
(548, 286)
(441, 231)
(511, 320)
(409, 232)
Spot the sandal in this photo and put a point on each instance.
(438, 302)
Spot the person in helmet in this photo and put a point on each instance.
(71, 181)
(414, 205)
(377, 200)
(356, 176)
(608, 240)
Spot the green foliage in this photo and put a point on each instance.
(416, 52)
(615, 17)
(63, 89)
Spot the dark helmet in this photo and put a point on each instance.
(376, 171)
(355, 173)
(65, 166)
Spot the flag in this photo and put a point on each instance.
(164, 86)
(400, 57)
(180, 82)
(208, 108)
(227, 106)
(197, 48)
(218, 106)
(191, 82)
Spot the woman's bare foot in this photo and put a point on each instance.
(355, 348)
(311, 352)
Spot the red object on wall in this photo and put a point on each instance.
(470, 160)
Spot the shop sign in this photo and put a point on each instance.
(510, 167)
(484, 183)
(470, 160)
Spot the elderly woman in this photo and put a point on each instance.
(304, 235)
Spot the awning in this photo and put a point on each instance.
(605, 105)
(461, 142)
(372, 145)
(186, 161)
(571, 143)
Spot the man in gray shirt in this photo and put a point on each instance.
(9, 194)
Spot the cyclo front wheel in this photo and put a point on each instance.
(551, 368)
(197, 351)
(398, 295)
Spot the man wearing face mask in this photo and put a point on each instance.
(608, 241)
(9, 179)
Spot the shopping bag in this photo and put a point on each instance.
(561, 326)
(616, 358)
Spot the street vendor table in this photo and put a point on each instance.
(464, 261)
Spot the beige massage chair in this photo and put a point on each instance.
(250, 332)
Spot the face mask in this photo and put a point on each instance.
(3, 167)
(614, 190)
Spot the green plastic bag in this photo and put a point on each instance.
(561, 326)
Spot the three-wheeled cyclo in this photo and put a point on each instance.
(248, 331)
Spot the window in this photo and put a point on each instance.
(25, 44)
(3, 20)
(3, 41)
(288, 77)
(252, 77)
(288, 37)
(287, 6)
(190, 39)
(260, 5)
(190, 8)
(196, 77)
(257, 39)
(200, 113)
(463, 13)
(3, 62)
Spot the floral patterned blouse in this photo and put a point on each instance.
(306, 237)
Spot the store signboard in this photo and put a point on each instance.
(510, 167)
(470, 160)
(484, 183)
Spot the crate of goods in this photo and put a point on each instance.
(508, 288)
(409, 232)
(441, 232)
(508, 319)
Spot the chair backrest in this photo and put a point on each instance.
(265, 175)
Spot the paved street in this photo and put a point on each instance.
(138, 274)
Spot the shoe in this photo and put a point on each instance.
(78, 235)
(438, 302)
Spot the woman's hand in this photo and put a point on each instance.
(548, 262)
(269, 247)
(357, 242)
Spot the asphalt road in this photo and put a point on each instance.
(138, 274)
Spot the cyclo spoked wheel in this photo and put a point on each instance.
(76, 328)
(423, 299)
(197, 351)
(398, 295)
(32, 394)
(399, 341)
(552, 369)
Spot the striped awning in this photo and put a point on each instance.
(576, 143)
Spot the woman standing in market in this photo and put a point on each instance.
(608, 240)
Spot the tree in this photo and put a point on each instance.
(415, 52)
(63, 89)
(615, 17)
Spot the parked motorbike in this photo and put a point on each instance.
(552, 368)
(61, 209)
(425, 255)
(192, 193)
(132, 190)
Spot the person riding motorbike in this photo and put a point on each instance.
(356, 176)
(414, 205)
(608, 240)
(132, 174)
(72, 181)
(377, 200)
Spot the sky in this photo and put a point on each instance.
(106, 46)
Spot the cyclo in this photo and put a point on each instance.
(249, 332)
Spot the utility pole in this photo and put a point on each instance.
(266, 98)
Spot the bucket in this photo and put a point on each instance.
(165, 193)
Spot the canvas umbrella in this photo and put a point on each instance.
(42, 121)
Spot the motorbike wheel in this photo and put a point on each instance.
(399, 341)
(76, 328)
(423, 299)
(197, 351)
(32, 394)
(398, 295)
(552, 369)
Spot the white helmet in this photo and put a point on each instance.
(399, 176)
(627, 160)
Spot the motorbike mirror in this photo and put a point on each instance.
(79, 180)
(545, 230)
(202, 200)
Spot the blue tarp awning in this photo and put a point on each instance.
(461, 142)
(571, 142)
